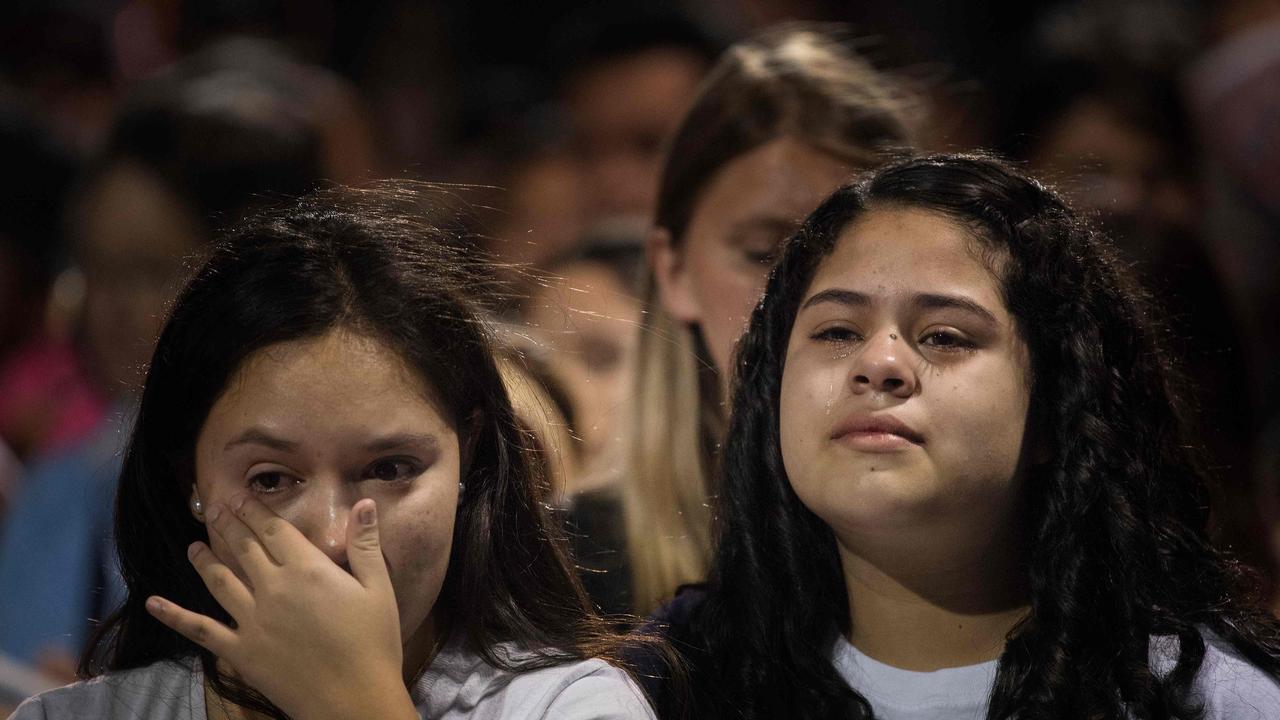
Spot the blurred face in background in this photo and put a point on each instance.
(133, 235)
(716, 275)
(1120, 170)
(622, 110)
(588, 318)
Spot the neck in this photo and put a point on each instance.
(927, 605)
(423, 645)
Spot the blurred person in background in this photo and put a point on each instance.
(628, 73)
(189, 152)
(782, 119)
(586, 315)
(586, 309)
(46, 400)
(1233, 89)
(1099, 110)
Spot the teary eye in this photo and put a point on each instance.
(391, 469)
(946, 340)
(274, 481)
(837, 334)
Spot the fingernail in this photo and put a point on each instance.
(368, 516)
(213, 513)
(154, 605)
(237, 501)
(193, 550)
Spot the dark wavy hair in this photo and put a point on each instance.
(363, 260)
(1116, 517)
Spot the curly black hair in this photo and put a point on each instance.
(1116, 518)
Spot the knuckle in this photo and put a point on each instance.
(273, 527)
(218, 582)
(314, 573)
(198, 632)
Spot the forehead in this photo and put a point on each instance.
(784, 178)
(902, 250)
(339, 378)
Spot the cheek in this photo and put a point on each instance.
(990, 420)
(808, 400)
(727, 297)
(416, 539)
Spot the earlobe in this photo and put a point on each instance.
(671, 276)
(196, 505)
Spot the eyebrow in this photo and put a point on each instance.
(770, 224)
(923, 301)
(258, 436)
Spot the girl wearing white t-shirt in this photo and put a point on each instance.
(956, 485)
(326, 510)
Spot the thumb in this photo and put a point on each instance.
(364, 549)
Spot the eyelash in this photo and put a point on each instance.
(411, 469)
(954, 342)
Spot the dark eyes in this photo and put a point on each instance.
(266, 483)
(938, 339)
(390, 469)
(946, 341)
(837, 334)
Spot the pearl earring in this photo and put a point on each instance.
(197, 506)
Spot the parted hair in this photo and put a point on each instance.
(366, 261)
(1116, 516)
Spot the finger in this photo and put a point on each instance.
(282, 540)
(364, 548)
(244, 545)
(226, 588)
(199, 629)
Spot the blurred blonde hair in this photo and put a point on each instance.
(797, 80)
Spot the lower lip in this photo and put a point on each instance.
(875, 441)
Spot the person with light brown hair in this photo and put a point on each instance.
(781, 120)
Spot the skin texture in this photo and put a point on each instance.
(927, 527)
(320, 592)
(716, 276)
(133, 235)
(589, 320)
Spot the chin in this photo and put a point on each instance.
(874, 502)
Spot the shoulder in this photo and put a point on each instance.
(167, 690)
(590, 689)
(1233, 688)
(461, 684)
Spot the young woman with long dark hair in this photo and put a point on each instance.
(327, 497)
(955, 483)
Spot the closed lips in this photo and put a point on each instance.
(876, 425)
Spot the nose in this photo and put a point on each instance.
(882, 367)
(322, 517)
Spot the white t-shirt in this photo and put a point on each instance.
(1229, 687)
(457, 685)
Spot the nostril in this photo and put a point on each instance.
(893, 383)
(862, 379)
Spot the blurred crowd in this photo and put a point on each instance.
(134, 131)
